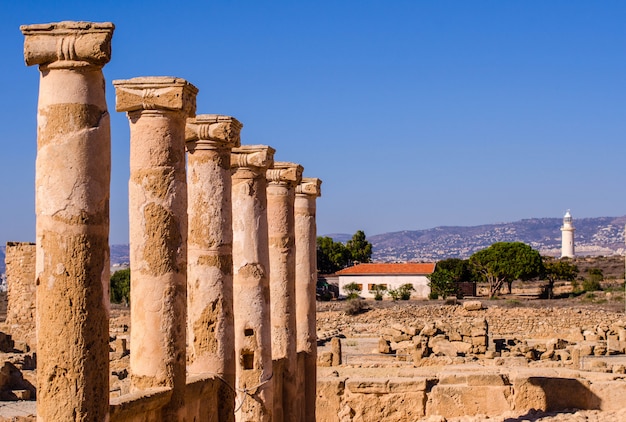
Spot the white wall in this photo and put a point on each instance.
(419, 282)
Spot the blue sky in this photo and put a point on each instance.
(415, 114)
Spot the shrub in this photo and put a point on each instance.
(354, 306)
(352, 290)
(433, 295)
(405, 291)
(591, 285)
(378, 290)
(394, 294)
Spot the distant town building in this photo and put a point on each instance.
(567, 236)
(390, 275)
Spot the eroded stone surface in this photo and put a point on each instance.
(306, 278)
(210, 139)
(72, 197)
(157, 109)
(251, 288)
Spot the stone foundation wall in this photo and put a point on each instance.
(453, 394)
(21, 288)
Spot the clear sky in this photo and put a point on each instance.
(415, 114)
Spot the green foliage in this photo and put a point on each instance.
(557, 269)
(505, 262)
(441, 283)
(433, 295)
(333, 256)
(591, 285)
(595, 274)
(352, 290)
(405, 291)
(120, 286)
(360, 249)
(378, 290)
(394, 294)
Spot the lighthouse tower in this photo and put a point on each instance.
(567, 237)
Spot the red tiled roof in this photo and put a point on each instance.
(402, 268)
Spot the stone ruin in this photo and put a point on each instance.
(222, 243)
(211, 241)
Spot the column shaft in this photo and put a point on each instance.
(72, 206)
(306, 279)
(157, 110)
(282, 181)
(210, 325)
(253, 353)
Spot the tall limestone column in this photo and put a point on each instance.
(281, 191)
(72, 205)
(306, 279)
(157, 109)
(251, 290)
(210, 329)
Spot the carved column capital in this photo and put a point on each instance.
(284, 173)
(68, 44)
(207, 131)
(155, 93)
(254, 157)
(309, 186)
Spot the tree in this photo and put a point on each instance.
(331, 256)
(558, 269)
(442, 283)
(120, 286)
(360, 249)
(449, 272)
(505, 262)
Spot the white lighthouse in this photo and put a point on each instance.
(567, 237)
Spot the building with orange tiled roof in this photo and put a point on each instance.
(391, 276)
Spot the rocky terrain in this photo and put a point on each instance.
(542, 337)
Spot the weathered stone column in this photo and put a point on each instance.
(253, 351)
(281, 191)
(210, 325)
(72, 205)
(157, 109)
(306, 279)
(21, 292)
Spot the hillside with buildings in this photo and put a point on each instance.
(593, 237)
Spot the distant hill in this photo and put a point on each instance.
(593, 237)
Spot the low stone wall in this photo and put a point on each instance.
(458, 392)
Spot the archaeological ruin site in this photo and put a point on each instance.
(223, 322)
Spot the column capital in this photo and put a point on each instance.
(259, 156)
(155, 93)
(205, 131)
(283, 172)
(68, 44)
(310, 186)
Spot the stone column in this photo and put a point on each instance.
(157, 109)
(281, 191)
(210, 329)
(306, 278)
(253, 354)
(72, 205)
(21, 293)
